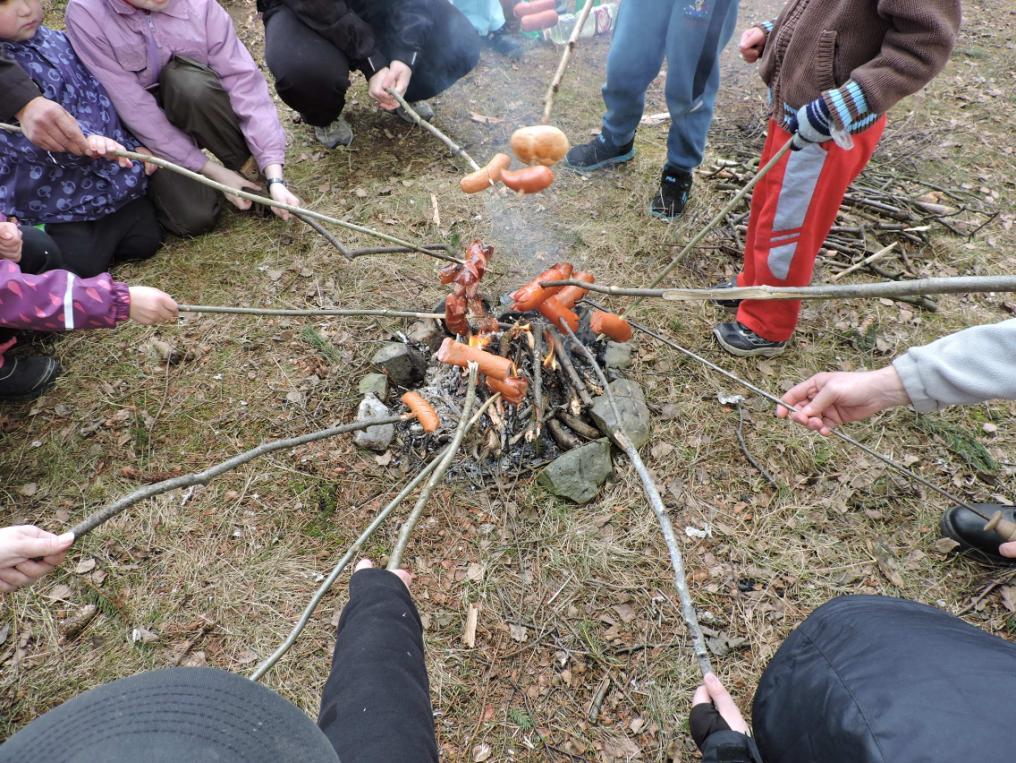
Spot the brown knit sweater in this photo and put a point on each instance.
(861, 56)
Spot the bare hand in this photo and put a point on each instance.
(829, 399)
(21, 547)
(10, 241)
(404, 575)
(752, 43)
(47, 125)
(283, 195)
(1008, 549)
(395, 76)
(218, 173)
(150, 306)
(149, 168)
(101, 147)
(712, 692)
(376, 90)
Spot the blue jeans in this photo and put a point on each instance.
(691, 35)
(485, 15)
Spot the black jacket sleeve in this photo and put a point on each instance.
(376, 703)
(338, 23)
(730, 747)
(16, 89)
(410, 24)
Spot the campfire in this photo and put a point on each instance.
(549, 393)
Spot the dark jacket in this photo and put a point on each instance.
(370, 32)
(16, 89)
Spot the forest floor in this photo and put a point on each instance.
(580, 653)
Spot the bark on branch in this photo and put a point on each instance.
(310, 312)
(566, 54)
(455, 147)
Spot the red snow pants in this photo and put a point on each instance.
(792, 210)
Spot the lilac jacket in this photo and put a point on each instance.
(126, 48)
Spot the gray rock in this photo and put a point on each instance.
(618, 355)
(428, 333)
(377, 437)
(404, 365)
(632, 406)
(579, 473)
(375, 384)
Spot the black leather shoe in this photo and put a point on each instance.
(26, 377)
(727, 304)
(738, 339)
(967, 529)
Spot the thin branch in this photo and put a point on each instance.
(744, 446)
(202, 478)
(865, 262)
(566, 54)
(569, 368)
(455, 147)
(323, 589)
(354, 253)
(266, 200)
(882, 289)
(320, 229)
(414, 516)
(324, 311)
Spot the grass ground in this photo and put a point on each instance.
(580, 654)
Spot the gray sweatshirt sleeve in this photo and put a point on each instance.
(971, 366)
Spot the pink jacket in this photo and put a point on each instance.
(112, 38)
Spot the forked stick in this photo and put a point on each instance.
(566, 54)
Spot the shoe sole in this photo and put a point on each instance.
(601, 165)
(762, 352)
(664, 216)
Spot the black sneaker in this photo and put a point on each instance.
(740, 340)
(505, 43)
(26, 377)
(967, 529)
(672, 198)
(727, 304)
(598, 153)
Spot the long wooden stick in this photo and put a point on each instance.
(202, 478)
(652, 492)
(414, 516)
(882, 289)
(305, 312)
(455, 147)
(866, 261)
(320, 230)
(354, 253)
(566, 54)
(266, 200)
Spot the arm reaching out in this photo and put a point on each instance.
(829, 399)
(28, 553)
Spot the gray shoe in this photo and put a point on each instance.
(420, 107)
(338, 133)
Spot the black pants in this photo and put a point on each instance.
(312, 75)
(39, 252)
(375, 707)
(90, 248)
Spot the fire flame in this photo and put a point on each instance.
(480, 341)
(549, 361)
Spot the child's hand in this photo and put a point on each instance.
(150, 306)
(752, 43)
(280, 193)
(10, 241)
(100, 147)
(376, 89)
(218, 173)
(28, 553)
(149, 168)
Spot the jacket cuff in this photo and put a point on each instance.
(767, 27)
(18, 95)
(910, 375)
(407, 56)
(121, 302)
(730, 747)
(848, 106)
(374, 582)
(372, 64)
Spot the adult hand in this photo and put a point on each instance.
(1008, 549)
(101, 147)
(752, 43)
(827, 400)
(149, 168)
(218, 173)
(28, 553)
(404, 575)
(280, 193)
(713, 709)
(48, 125)
(376, 90)
(150, 306)
(10, 241)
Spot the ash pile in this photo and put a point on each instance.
(552, 414)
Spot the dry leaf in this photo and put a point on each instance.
(28, 489)
(475, 572)
(625, 611)
(246, 657)
(888, 563)
(1008, 597)
(143, 635)
(945, 546)
(483, 119)
(518, 633)
(85, 566)
(59, 592)
(194, 660)
(481, 753)
(384, 459)
(618, 748)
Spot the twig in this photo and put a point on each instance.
(184, 650)
(201, 478)
(305, 312)
(266, 200)
(455, 147)
(893, 289)
(744, 447)
(569, 368)
(566, 54)
(598, 696)
(866, 261)
(308, 611)
(414, 516)
(537, 388)
(620, 437)
(438, 248)
(317, 227)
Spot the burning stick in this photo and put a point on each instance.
(656, 502)
(202, 478)
(566, 54)
(304, 312)
(537, 387)
(455, 147)
(573, 376)
(266, 200)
